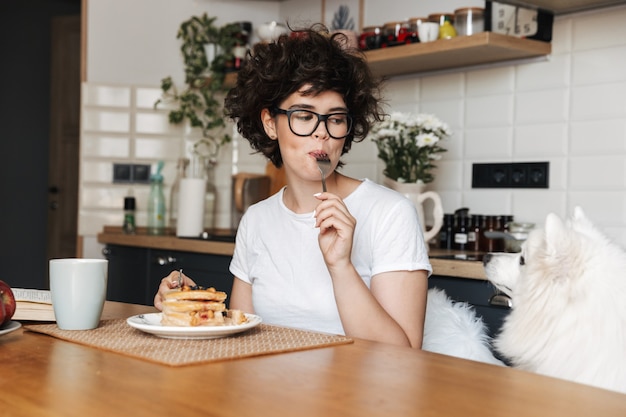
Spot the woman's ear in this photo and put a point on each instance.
(269, 124)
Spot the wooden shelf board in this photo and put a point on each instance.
(462, 51)
(560, 7)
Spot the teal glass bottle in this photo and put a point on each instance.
(156, 204)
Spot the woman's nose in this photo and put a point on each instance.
(321, 132)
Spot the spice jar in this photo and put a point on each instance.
(396, 33)
(414, 22)
(469, 20)
(519, 233)
(371, 38)
(440, 18)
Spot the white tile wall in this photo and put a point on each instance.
(569, 109)
(120, 125)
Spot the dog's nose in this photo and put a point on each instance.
(486, 258)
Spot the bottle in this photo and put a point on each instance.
(129, 215)
(156, 203)
(446, 30)
(461, 229)
(210, 196)
(181, 172)
(473, 236)
(446, 234)
(487, 244)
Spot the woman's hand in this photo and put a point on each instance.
(167, 284)
(336, 226)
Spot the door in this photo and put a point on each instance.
(62, 225)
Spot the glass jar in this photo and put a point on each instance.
(519, 232)
(395, 33)
(469, 20)
(440, 18)
(371, 38)
(414, 22)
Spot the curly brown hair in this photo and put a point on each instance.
(311, 57)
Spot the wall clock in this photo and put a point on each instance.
(518, 21)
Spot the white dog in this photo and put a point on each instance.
(453, 328)
(568, 289)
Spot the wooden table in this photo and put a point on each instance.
(44, 376)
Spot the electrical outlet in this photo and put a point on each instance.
(131, 173)
(511, 175)
(122, 173)
(141, 173)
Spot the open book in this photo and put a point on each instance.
(33, 304)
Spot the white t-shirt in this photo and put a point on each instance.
(277, 251)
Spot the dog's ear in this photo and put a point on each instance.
(579, 213)
(580, 221)
(555, 232)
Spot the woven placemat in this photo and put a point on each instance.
(117, 336)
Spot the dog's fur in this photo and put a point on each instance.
(453, 328)
(568, 289)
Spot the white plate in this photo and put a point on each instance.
(151, 323)
(9, 327)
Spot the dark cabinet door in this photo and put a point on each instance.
(135, 273)
(205, 269)
(128, 269)
(478, 293)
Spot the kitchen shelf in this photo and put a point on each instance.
(560, 7)
(458, 52)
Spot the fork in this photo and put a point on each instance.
(180, 278)
(323, 164)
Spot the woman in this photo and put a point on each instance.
(351, 260)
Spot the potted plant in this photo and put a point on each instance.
(408, 144)
(207, 50)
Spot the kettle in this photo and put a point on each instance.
(247, 189)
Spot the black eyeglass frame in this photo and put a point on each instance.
(320, 118)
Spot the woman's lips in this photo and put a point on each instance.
(318, 154)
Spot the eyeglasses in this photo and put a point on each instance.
(305, 122)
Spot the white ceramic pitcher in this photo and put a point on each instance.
(415, 192)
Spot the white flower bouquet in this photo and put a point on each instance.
(408, 144)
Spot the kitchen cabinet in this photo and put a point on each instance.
(479, 294)
(138, 262)
(135, 272)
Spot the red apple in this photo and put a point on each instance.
(7, 303)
